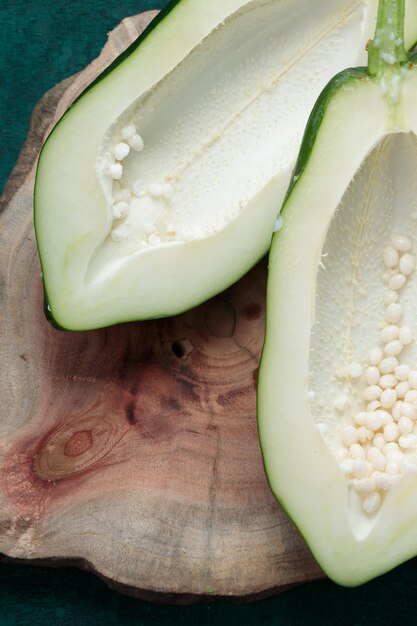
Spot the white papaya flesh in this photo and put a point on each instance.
(161, 185)
(337, 396)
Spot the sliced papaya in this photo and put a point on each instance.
(161, 185)
(338, 379)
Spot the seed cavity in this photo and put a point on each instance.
(378, 442)
(156, 198)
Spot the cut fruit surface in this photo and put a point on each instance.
(161, 185)
(337, 394)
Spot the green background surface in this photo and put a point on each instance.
(42, 42)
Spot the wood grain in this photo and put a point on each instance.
(133, 451)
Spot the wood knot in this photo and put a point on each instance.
(78, 443)
(76, 446)
(253, 311)
(181, 349)
(221, 318)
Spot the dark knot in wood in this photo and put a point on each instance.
(221, 318)
(78, 443)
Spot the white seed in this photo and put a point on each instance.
(341, 454)
(405, 425)
(138, 188)
(408, 441)
(389, 447)
(375, 356)
(391, 432)
(390, 297)
(364, 486)
(120, 233)
(373, 420)
(155, 190)
(116, 171)
(136, 142)
(364, 434)
(407, 264)
(396, 410)
(388, 365)
(411, 396)
(389, 333)
(128, 131)
(405, 335)
(310, 395)
(116, 236)
(412, 379)
(401, 243)
(382, 481)
(393, 348)
(355, 370)
(392, 468)
(349, 435)
(402, 388)
(408, 410)
(120, 210)
(380, 462)
(393, 312)
(342, 402)
(372, 375)
(386, 417)
(357, 452)
(388, 398)
(360, 418)
(390, 256)
(379, 441)
(402, 372)
(154, 240)
(373, 453)
(397, 281)
(373, 392)
(121, 150)
(347, 466)
(395, 455)
(371, 503)
(359, 468)
(373, 405)
(388, 381)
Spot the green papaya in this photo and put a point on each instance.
(337, 395)
(161, 185)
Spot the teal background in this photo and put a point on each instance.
(42, 42)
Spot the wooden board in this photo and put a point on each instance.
(133, 451)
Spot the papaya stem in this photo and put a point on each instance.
(386, 51)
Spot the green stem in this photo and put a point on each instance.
(386, 51)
